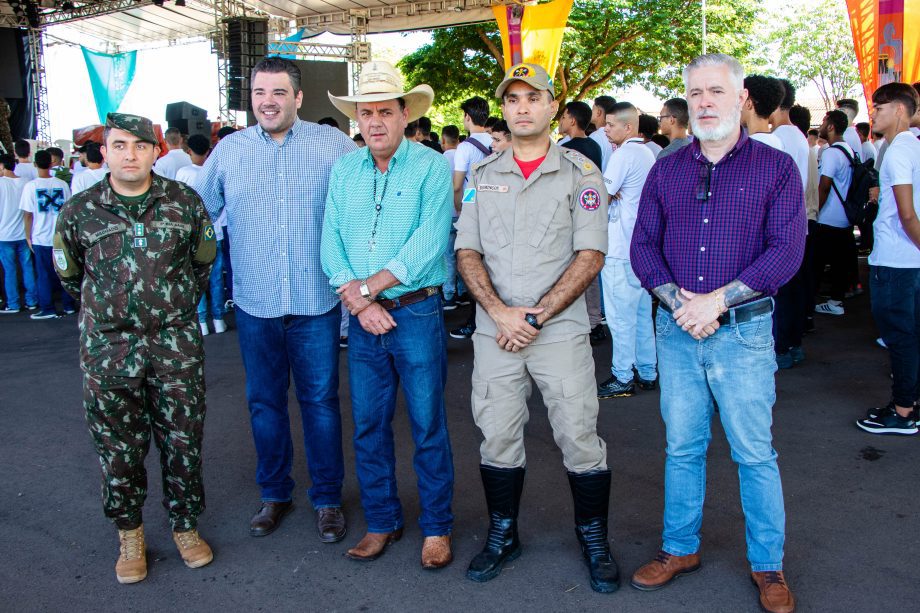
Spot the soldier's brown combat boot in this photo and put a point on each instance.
(132, 560)
(775, 595)
(194, 550)
(664, 569)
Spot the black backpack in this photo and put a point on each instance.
(857, 206)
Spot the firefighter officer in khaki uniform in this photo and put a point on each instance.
(531, 237)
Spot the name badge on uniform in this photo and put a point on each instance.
(138, 231)
(140, 242)
(502, 189)
(469, 196)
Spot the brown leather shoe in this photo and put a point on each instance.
(330, 522)
(373, 545)
(436, 552)
(269, 517)
(775, 595)
(664, 569)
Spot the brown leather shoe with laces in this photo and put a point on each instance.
(132, 559)
(436, 552)
(330, 523)
(373, 545)
(775, 595)
(194, 550)
(664, 569)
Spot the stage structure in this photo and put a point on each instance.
(122, 25)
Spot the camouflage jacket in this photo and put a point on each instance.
(139, 276)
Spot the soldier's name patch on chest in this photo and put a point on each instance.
(107, 231)
(589, 199)
(171, 225)
(502, 189)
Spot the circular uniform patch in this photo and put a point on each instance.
(521, 71)
(589, 199)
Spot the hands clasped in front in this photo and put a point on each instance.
(372, 317)
(699, 314)
(514, 333)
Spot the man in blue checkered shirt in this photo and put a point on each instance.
(271, 179)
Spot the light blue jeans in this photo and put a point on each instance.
(15, 255)
(454, 283)
(215, 291)
(735, 368)
(629, 316)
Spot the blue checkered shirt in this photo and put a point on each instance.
(413, 225)
(275, 196)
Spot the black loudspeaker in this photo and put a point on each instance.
(12, 67)
(316, 78)
(247, 40)
(184, 110)
(191, 126)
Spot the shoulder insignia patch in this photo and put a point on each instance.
(469, 195)
(589, 199)
(60, 260)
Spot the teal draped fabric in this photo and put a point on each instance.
(110, 75)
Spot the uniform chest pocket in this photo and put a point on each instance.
(167, 234)
(493, 229)
(541, 222)
(107, 242)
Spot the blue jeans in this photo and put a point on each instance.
(896, 310)
(629, 317)
(308, 347)
(735, 368)
(15, 255)
(413, 353)
(215, 290)
(48, 281)
(454, 284)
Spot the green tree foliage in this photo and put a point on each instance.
(608, 44)
(814, 44)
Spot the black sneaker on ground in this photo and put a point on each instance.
(614, 388)
(598, 334)
(462, 299)
(8, 311)
(877, 412)
(888, 423)
(646, 385)
(463, 332)
(449, 305)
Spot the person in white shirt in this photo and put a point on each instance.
(41, 201)
(475, 148)
(94, 170)
(835, 245)
(894, 264)
(764, 96)
(794, 142)
(851, 137)
(25, 169)
(867, 148)
(627, 305)
(168, 165)
(199, 147)
(602, 106)
(15, 255)
(450, 138)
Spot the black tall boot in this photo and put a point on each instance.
(503, 488)
(591, 495)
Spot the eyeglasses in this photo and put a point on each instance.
(702, 187)
(663, 117)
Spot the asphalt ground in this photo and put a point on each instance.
(851, 499)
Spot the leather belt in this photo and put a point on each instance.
(407, 299)
(739, 314)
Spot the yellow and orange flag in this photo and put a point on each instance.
(533, 33)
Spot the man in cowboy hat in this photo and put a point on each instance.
(271, 180)
(528, 273)
(388, 215)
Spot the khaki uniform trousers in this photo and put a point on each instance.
(564, 373)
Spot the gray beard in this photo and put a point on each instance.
(726, 126)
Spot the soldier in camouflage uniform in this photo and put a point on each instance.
(137, 248)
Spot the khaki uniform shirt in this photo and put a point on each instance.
(528, 231)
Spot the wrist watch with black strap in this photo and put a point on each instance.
(532, 320)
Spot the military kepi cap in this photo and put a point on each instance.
(533, 75)
(141, 127)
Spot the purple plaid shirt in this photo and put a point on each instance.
(749, 224)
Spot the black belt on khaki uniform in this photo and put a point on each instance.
(739, 314)
(407, 299)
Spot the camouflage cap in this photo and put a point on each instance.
(141, 127)
(533, 75)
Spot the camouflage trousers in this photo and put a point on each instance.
(122, 412)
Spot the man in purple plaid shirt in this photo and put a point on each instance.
(720, 228)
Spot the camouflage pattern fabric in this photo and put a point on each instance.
(121, 413)
(141, 127)
(139, 276)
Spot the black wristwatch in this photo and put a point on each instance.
(532, 320)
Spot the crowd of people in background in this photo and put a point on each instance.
(773, 229)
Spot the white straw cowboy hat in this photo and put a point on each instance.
(380, 81)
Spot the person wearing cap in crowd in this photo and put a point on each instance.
(528, 274)
(94, 171)
(198, 148)
(136, 249)
(388, 216)
(272, 178)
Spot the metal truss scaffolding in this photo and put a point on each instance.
(39, 89)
